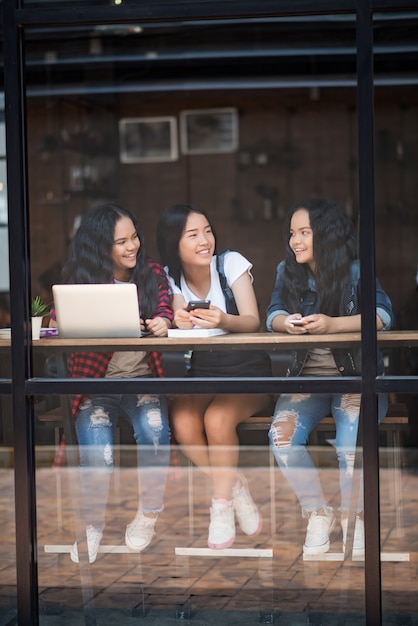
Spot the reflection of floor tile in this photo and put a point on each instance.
(160, 580)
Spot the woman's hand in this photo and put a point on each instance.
(295, 324)
(158, 326)
(182, 319)
(323, 324)
(319, 324)
(212, 317)
(205, 318)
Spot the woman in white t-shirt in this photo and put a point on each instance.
(205, 426)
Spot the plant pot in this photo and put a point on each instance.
(36, 327)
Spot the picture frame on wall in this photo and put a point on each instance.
(209, 131)
(148, 139)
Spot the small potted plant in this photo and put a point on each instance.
(39, 309)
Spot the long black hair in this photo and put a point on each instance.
(334, 248)
(170, 229)
(91, 255)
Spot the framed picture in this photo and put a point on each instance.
(148, 139)
(209, 131)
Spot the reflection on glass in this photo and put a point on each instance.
(7, 502)
(258, 574)
(297, 130)
(395, 203)
(398, 476)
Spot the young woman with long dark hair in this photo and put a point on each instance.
(108, 247)
(317, 291)
(205, 425)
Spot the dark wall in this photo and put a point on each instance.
(291, 144)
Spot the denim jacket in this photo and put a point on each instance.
(347, 359)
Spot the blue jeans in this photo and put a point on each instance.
(295, 417)
(95, 427)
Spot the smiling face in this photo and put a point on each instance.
(197, 243)
(301, 238)
(125, 248)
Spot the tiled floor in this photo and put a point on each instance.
(160, 587)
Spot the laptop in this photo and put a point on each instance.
(97, 311)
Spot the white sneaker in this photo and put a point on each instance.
(358, 542)
(222, 525)
(248, 515)
(94, 537)
(318, 533)
(139, 532)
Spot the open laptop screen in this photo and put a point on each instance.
(97, 311)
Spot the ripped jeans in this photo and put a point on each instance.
(95, 427)
(295, 417)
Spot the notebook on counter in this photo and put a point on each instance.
(97, 311)
(196, 332)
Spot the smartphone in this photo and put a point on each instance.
(198, 304)
(298, 322)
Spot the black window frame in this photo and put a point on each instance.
(17, 16)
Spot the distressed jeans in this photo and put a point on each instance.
(295, 417)
(95, 427)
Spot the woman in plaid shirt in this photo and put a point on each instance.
(108, 247)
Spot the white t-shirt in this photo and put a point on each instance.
(235, 265)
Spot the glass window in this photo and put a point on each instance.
(396, 101)
(244, 117)
(292, 95)
(8, 595)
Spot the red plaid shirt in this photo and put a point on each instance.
(94, 364)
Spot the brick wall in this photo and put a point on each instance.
(290, 146)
